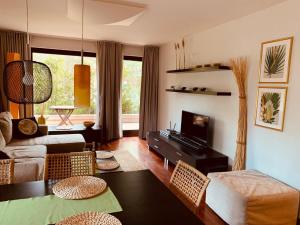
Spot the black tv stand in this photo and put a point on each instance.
(187, 141)
(205, 160)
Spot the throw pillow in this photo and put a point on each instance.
(6, 126)
(2, 141)
(25, 128)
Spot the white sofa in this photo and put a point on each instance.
(29, 154)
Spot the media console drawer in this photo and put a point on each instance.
(206, 161)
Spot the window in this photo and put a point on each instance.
(62, 64)
(131, 89)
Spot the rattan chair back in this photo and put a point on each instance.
(189, 185)
(64, 165)
(6, 171)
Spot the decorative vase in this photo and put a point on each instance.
(41, 120)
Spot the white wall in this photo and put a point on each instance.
(75, 45)
(272, 152)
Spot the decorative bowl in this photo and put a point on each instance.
(88, 124)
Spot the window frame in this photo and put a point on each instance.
(61, 52)
(133, 58)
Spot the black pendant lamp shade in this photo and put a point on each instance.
(27, 82)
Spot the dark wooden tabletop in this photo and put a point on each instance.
(144, 199)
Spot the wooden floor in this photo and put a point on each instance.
(155, 163)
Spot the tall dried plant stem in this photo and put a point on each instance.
(179, 58)
(240, 70)
(176, 53)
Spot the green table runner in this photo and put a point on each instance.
(50, 209)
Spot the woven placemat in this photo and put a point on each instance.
(104, 154)
(91, 218)
(80, 187)
(107, 164)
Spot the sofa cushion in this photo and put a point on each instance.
(2, 141)
(25, 128)
(6, 126)
(22, 152)
(54, 143)
(28, 169)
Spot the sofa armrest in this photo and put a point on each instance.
(43, 129)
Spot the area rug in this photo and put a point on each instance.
(127, 162)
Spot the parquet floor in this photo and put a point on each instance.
(139, 149)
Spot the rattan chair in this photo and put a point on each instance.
(64, 165)
(189, 185)
(6, 171)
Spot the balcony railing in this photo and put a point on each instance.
(129, 121)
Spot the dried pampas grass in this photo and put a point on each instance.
(240, 70)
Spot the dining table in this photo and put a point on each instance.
(143, 198)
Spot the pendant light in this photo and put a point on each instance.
(26, 81)
(82, 77)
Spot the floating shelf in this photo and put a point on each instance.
(216, 93)
(200, 69)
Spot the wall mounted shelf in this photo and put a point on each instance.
(200, 69)
(216, 93)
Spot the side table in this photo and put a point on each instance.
(64, 113)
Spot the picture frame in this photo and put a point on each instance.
(275, 61)
(270, 107)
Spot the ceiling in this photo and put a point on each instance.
(161, 20)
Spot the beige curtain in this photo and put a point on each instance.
(10, 41)
(109, 71)
(149, 91)
(240, 70)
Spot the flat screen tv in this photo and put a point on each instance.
(195, 127)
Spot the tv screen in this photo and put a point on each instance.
(195, 126)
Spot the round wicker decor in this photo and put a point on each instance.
(91, 218)
(104, 154)
(27, 127)
(80, 187)
(107, 165)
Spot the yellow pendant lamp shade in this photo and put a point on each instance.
(13, 107)
(12, 56)
(82, 85)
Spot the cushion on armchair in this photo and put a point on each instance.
(6, 126)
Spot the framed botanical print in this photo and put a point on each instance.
(275, 60)
(270, 109)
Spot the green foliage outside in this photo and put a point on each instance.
(131, 86)
(62, 68)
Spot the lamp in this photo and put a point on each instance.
(82, 77)
(26, 81)
(12, 56)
